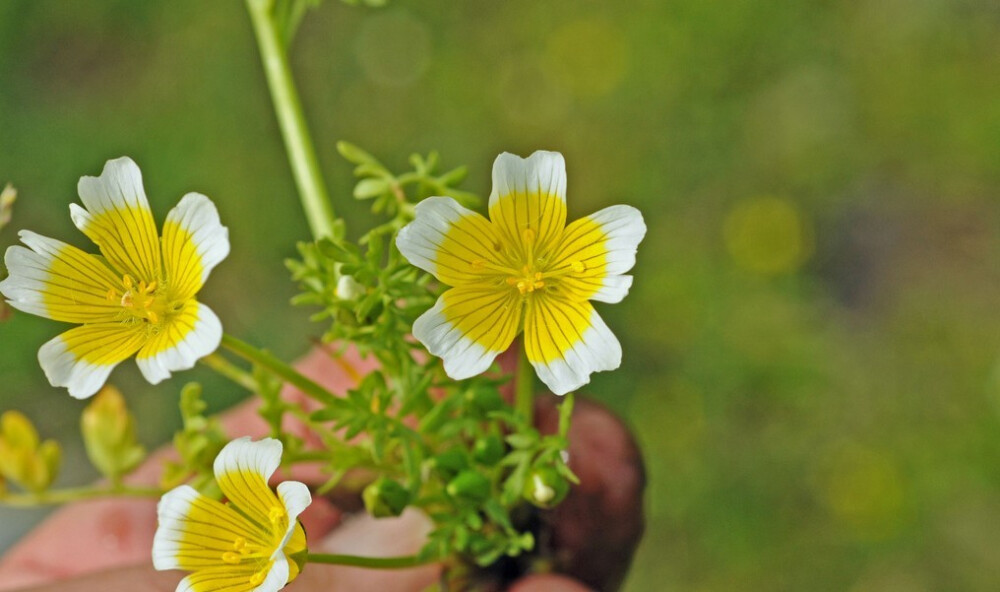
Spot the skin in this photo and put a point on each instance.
(105, 544)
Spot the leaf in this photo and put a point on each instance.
(356, 155)
(369, 188)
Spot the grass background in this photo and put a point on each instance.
(812, 344)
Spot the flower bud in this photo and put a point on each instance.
(469, 486)
(109, 434)
(450, 462)
(485, 399)
(385, 497)
(488, 450)
(23, 459)
(348, 288)
(545, 487)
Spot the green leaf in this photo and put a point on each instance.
(356, 155)
(369, 188)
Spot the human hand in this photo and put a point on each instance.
(105, 544)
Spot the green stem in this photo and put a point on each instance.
(279, 369)
(288, 108)
(229, 370)
(63, 496)
(524, 395)
(370, 562)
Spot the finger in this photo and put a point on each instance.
(597, 527)
(84, 537)
(136, 578)
(547, 583)
(373, 537)
(91, 536)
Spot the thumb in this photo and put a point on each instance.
(372, 537)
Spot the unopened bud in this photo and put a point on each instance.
(485, 399)
(348, 288)
(385, 497)
(488, 450)
(470, 486)
(545, 487)
(23, 458)
(109, 434)
(450, 462)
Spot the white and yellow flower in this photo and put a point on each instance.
(523, 269)
(250, 543)
(138, 298)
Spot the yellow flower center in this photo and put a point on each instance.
(142, 301)
(533, 273)
(240, 550)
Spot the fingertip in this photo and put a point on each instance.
(547, 583)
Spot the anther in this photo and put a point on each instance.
(478, 264)
(230, 557)
(276, 514)
(529, 235)
(578, 266)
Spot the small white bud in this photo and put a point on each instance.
(348, 288)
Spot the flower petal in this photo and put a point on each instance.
(529, 193)
(58, 281)
(469, 326)
(242, 470)
(450, 241)
(221, 579)
(189, 335)
(295, 497)
(194, 241)
(566, 341)
(196, 532)
(83, 357)
(277, 575)
(116, 216)
(602, 246)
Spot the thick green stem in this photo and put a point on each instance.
(63, 496)
(279, 369)
(288, 108)
(228, 370)
(370, 562)
(524, 393)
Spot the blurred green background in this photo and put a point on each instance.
(812, 344)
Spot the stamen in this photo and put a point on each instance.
(230, 557)
(276, 514)
(578, 266)
(258, 577)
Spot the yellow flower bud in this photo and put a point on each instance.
(25, 460)
(109, 434)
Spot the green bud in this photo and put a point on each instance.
(23, 458)
(488, 450)
(451, 462)
(385, 497)
(109, 434)
(469, 486)
(485, 400)
(545, 487)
